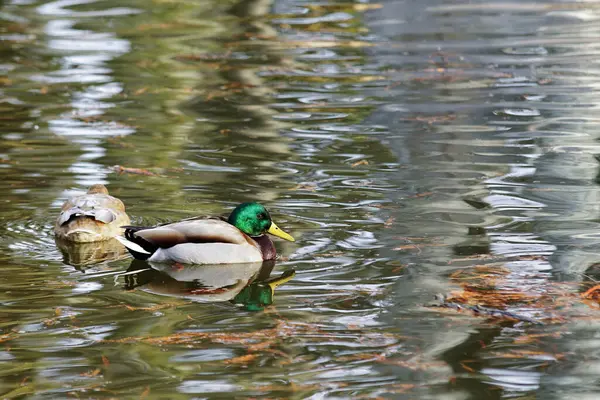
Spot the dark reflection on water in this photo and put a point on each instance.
(412, 148)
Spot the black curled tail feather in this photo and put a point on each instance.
(143, 243)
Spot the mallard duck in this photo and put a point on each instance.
(204, 240)
(92, 217)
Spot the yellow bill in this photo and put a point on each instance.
(274, 230)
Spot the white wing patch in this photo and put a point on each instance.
(130, 245)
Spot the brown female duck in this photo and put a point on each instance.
(92, 217)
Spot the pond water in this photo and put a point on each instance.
(411, 147)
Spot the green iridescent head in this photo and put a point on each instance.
(254, 220)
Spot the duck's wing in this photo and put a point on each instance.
(196, 230)
(143, 242)
(101, 207)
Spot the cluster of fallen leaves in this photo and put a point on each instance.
(417, 243)
(480, 287)
(154, 308)
(155, 172)
(119, 169)
(592, 293)
(255, 343)
(488, 285)
(268, 341)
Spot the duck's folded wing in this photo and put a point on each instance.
(101, 207)
(206, 230)
(103, 215)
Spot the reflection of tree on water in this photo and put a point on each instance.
(509, 190)
(248, 284)
(235, 104)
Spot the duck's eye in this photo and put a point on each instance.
(261, 216)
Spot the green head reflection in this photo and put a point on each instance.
(259, 294)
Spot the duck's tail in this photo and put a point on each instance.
(139, 248)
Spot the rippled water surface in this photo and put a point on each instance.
(411, 147)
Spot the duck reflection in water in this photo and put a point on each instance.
(81, 255)
(246, 284)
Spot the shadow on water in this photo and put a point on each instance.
(413, 148)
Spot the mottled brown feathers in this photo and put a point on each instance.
(94, 216)
(97, 189)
